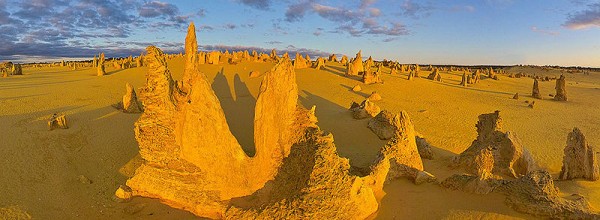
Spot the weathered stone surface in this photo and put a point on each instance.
(535, 93)
(300, 62)
(561, 90)
(536, 194)
(399, 157)
(100, 70)
(123, 194)
(424, 177)
(364, 110)
(213, 57)
(193, 162)
(16, 69)
(344, 60)
(332, 58)
(580, 159)
(374, 96)
(435, 75)
(370, 77)
(464, 81)
(320, 63)
(424, 148)
(130, 101)
(384, 124)
(510, 158)
(355, 67)
(471, 183)
(58, 121)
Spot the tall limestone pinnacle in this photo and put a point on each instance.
(192, 161)
(191, 57)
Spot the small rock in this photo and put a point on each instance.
(374, 97)
(516, 96)
(58, 122)
(356, 88)
(83, 179)
(123, 194)
(531, 104)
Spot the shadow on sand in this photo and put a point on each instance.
(238, 108)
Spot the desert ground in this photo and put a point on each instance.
(73, 173)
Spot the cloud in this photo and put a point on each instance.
(258, 4)
(296, 12)
(81, 28)
(273, 42)
(155, 9)
(415, 10)
(587, 18)
(544, 32)
(356, 22)
(461, 8)
(230, 26)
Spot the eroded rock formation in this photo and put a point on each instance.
(100, 70)
(193, 162)
(561, 90)
(536, 194)
(435, 76)
(320, 63)
(355, 67)
(580, 159)
(130, 103)
(510, 158)
(535, 93)
(364, 110)
(57, 121)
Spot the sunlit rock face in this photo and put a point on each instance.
(193, 162)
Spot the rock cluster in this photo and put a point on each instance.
(580, 159)
(193, 162)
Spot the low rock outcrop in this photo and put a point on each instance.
(510, 158)
(580, 159)
(58, 121)
(374, 96)
(364, 110)
(536, 194)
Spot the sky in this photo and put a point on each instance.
(460, 32)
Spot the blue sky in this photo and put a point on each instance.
(541, 32)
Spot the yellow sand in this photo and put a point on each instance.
(41, 169)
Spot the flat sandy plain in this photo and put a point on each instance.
(45, 173)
